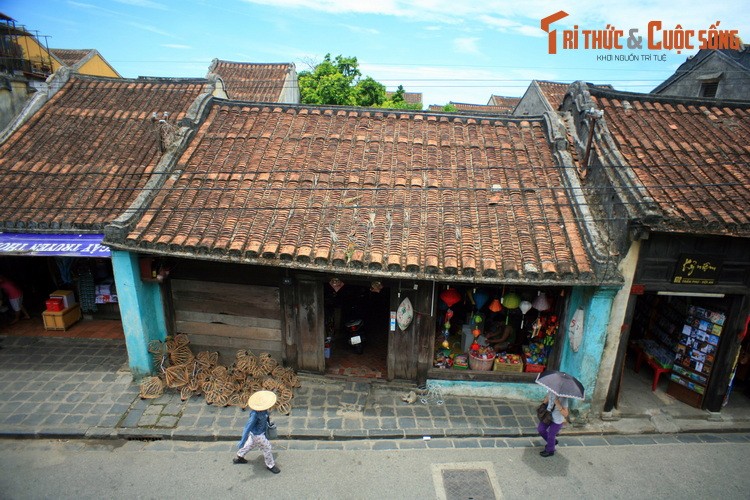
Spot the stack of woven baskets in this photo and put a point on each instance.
(202, 374)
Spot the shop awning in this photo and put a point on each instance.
(55, 245)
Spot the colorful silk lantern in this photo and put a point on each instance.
(541, 303)
(480, 299)
(450, 296)
(495, 306)
(511, 300)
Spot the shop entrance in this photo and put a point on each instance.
(347, 303)
(86, 282)
(674, 350)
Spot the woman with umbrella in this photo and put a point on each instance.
(560, 387)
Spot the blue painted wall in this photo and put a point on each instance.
(584, 364)
(141, 309)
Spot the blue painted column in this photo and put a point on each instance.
(584, 364)
(141, 309)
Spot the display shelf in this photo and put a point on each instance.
(695, 354)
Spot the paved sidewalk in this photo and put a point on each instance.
(59, 387)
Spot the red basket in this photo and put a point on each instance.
(528, 367)
(55, 305)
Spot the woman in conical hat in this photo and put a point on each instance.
(254, 433)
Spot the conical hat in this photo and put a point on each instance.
(261, 400)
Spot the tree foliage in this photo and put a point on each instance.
(339, 81)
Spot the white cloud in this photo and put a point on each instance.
(143, 3)
(525, 17)
(152, 29)
(360, 29)
(466, 45)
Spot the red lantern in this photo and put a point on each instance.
(450, 296)
(474, 346)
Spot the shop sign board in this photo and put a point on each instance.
(696, 269)
(53, 245)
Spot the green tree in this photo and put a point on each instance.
(397, 101)
(329, 82)
(339, 81)
(368, 92)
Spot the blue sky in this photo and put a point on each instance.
(450, 50)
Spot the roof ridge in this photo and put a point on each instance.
(700, 101)
(385, 111)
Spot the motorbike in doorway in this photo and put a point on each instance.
(355, 334)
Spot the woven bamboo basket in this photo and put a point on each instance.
(480, 364)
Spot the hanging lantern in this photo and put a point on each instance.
(450, 296)
(336, 284)
(474, 346)
(476, 332)
(480, 299)
(376, 286)
(525, 307)
(404, 314)
(511, 300)
(495, 306)
(541, 303)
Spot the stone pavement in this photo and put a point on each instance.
(66, 388)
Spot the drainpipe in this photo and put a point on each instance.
(593, 115)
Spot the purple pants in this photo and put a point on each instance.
(549, 433)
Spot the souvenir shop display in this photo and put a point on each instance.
(695, 355)
(490, 330)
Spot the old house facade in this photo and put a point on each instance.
(669, 181)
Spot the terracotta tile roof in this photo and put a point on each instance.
(70, 57)
(474, 108)
(252, 81)
(372, 191)
(691, 157)
(409, 97)
(508, 103)
(80, 160)
(555, 91)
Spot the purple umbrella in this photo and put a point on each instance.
(561, 384)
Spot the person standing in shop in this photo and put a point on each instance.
(559, 408)
(15, 298)
(254, 433)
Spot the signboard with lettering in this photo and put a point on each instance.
(53, 245)
(694, 269)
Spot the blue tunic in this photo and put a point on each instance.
(255, 425)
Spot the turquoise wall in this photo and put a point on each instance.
(584, 364)
(141, 309)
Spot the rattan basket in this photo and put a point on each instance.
(480, 364)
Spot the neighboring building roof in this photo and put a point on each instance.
(409, 97)
(690, 157)
(370, 191)
(474, 108)
(739, 59)
(70, 57)
(506, 102)
(553, 91)
(256, 82)
(542, 96)
(84, 157)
